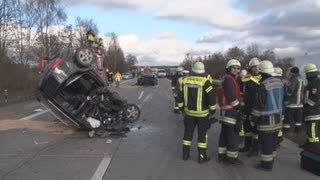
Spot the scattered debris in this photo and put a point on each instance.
(109, 141)
(39, 143)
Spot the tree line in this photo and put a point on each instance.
(215, 63)
(33, 28)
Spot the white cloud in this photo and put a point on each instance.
(289, 27)
(214, 12)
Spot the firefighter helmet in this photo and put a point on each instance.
(278, 71)
(186, 72)
(198, 67)
(266, 66)
(233, 62)
(254, 62)
(310, 68)
(243, 72)
(179, 69)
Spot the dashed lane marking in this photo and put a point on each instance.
(141, 94)
(34, 115)
(102, 168)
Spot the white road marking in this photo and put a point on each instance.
(34, 115)
(102, 168)
(141, 94)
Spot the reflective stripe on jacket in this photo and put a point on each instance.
(196, 96)
(268, 104)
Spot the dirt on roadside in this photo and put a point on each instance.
(54, 127)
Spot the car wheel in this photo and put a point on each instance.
(132, 113)
(84, 57)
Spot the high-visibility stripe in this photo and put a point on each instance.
(214, 107)
(313, 137)
(209, 89)
(235, 103)
(199, 99)
(186, 142)
(232, 154)
(228, 120)
(310, 102)
(312, 118)
(267, 157)
(280, 133)
(222, 150)
(256, 112)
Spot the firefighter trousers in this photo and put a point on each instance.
(293, 116)
(190, 123)
(228, 142)
(268, 142)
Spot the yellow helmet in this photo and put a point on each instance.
(310, 68)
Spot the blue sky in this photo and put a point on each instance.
(161, 32)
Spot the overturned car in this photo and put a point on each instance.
(75, 93)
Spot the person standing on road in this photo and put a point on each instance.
(117, 78)
(174, 85)
(230, 99)
(279, 74)
(294, 100)
(196, 99)
(312, 107)
(251, 84)
(266, 114)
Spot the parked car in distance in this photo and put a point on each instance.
(162, 73)
(127, 75)
(147, 79)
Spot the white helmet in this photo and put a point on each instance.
(243, 72)
(179, 69)
(278, 71)
(185, 71)
(310, 68)
(233, 62)
(254, 62)
(266, 66)
(198, 67)
(107, 70)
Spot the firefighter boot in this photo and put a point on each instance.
(234, 161)
(247, 144)
(265, 166)
(222, 158)
(186, 152)
(202, 158)
(297, 129)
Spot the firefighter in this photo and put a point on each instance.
(117, 78)
(294, 100)
(266, 114)
(251, 84)
(279, 74)
(230, 99)
(196, 99)
(174, 82)
(312, 107)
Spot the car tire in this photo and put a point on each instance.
(132, 113)
(84, 57)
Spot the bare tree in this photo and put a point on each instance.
(252, 50)
(235, 53)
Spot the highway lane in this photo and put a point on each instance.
(151, 153)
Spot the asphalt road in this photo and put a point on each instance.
(152, 152)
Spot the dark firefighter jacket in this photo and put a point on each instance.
(312, 98)
(196, 96)
(250, 88)
(268, 104)
(174, 81)
(294, 92)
